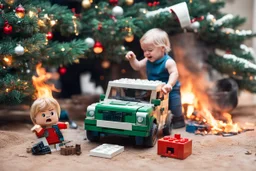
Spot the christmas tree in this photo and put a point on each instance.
(108, 25)
(29, 36)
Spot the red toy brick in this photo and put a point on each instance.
(175, 147)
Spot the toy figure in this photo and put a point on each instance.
(45, 113)
(160, 66)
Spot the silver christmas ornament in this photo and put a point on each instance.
(117, 11)
(19, 50)
(210, 17)
(90, 42)
(195, 25)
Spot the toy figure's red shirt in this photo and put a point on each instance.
(50, 133)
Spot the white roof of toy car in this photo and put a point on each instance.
(137, 84)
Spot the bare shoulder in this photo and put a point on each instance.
(170, 63)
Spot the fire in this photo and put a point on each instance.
(42, 88)
(198, 110)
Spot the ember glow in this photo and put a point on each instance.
(199, 111)
(43, 89)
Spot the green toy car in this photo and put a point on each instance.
(131, 107)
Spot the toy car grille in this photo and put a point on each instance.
(113, 116)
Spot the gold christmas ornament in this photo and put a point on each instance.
(9, 2)
(86, 4)
(105, 64)
(123, 71)
(129, 38)
(7, 60)
(129, 2)
(77, 61)
(41, 23)
(32, 14)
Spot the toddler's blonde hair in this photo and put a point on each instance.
(157, 37)
(42, 104)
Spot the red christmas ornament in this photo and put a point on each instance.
(7, 28)
(49, 36)
(99, 26)
(113, 2)
(197, 19)
(228, 51)
(20, 11)
(153, 3)
(62, 70)
(1, 6)
(75, 14)
(97, 48)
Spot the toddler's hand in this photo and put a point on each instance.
(67, 124)
(130, 55)
(167, 88)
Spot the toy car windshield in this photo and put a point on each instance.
(128, 94)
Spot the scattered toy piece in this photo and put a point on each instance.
(71, 150)
(248, 129)
(78, 149)
(107, 150)
(248, 153)
(29, 150)
(229, 134)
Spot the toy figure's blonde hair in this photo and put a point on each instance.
(158, 38)
(43, 104)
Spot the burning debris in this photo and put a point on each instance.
(202, 122)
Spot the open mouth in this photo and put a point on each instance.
(48, 120)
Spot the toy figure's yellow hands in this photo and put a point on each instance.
(130, 55)
(67, 124)
(167, 88)
(36, 128)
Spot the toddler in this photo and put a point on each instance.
(160, 66)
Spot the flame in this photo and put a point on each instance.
(190, 103)
(42, 88)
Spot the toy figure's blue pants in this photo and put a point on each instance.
(175, 102)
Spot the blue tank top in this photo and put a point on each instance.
(157, 71)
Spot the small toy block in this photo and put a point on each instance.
(107, 150)
(70, 150)
(175, 147)
(78, 149)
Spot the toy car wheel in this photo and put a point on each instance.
(92, 136)
(150, 141)
(167, 130)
